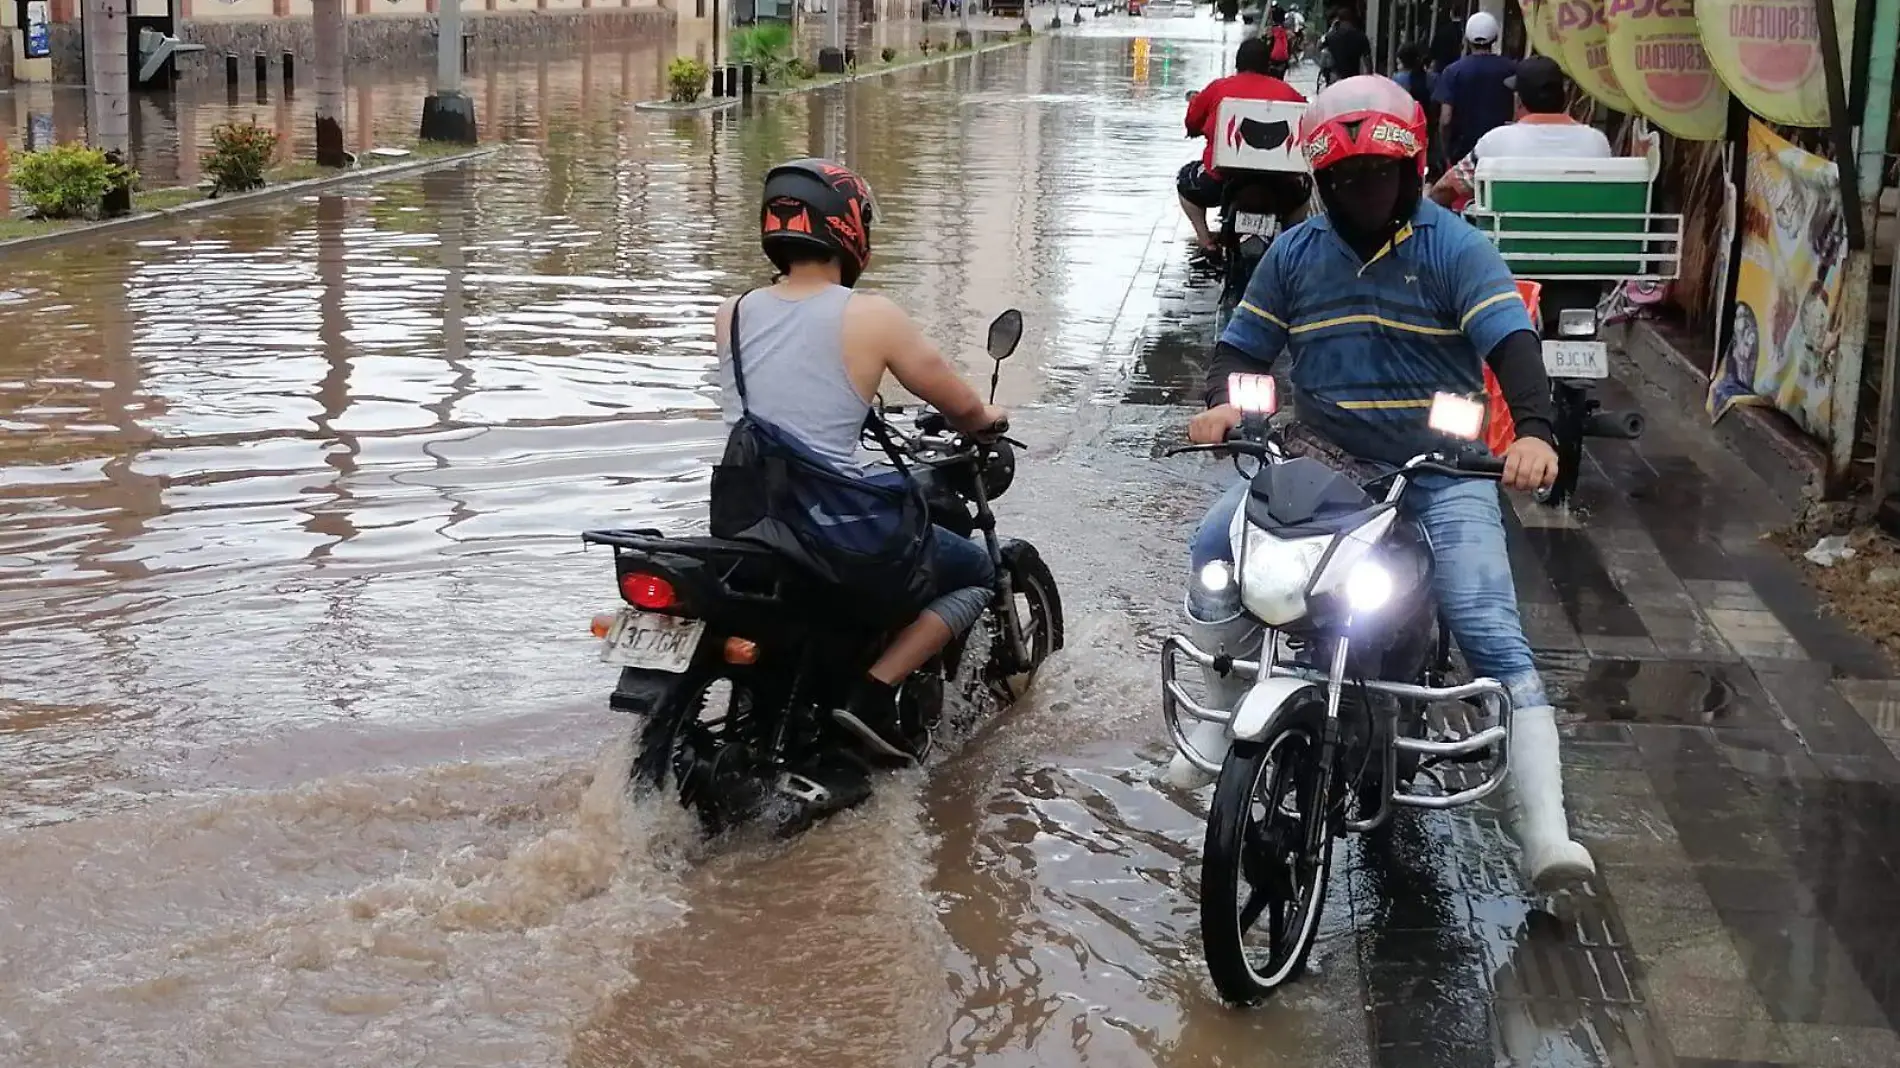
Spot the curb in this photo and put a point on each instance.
(204, 207)
(1794, 467)
(697, 106)
(827, 81)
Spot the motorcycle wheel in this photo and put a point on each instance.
(1039, 608)
(1268, 829)
(685, 740)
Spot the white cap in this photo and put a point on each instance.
(1482, 28)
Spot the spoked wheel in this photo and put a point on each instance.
(1265, 864)
(689, 740)
(1039, 608)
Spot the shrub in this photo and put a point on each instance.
(767, 46)
(925, 46)
(889, 53)
(799, 69)
(240, 154)
(68, 181)
(686, 79)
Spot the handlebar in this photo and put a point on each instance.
(1462, 465)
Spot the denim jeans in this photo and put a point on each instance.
(1465, 524)
(964, 577)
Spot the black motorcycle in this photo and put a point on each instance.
(733, 657)
(1575, 358)
(1253, 210)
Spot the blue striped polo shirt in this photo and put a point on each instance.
(1372, 341)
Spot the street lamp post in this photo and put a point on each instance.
(449, 114)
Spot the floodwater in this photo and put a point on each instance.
(309, 759)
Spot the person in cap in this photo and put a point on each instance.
(1471, 94)
(1543, 130)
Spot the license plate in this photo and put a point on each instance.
(1576, 359)
(653, 642)
(1257, 223)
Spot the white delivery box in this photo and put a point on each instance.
(1258, 135)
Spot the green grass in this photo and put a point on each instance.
(149, 200)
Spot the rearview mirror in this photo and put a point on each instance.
(1006, 332)
(1192, 93)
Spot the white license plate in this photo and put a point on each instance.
(653, 642)
(1576, 359)
(1254, 222)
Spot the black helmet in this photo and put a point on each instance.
(817, 205)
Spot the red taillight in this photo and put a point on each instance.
(650, 592)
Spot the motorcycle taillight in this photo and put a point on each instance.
(650, 592)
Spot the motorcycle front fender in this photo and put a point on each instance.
(1270, 700)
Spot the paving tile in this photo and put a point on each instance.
(1752, 1042)
(1877, 700)
(1730, 595)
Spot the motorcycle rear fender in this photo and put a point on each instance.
(645, 692)
(1270, 699)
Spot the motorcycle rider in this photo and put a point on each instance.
(816, 352)
(1384, 300)
(1198, 185)
(1543, 130)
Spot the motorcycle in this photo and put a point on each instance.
(1575, 358)
(733, 667)
(1256, 200)
(1338, 643)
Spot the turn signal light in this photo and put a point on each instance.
(742, 651)
(601, 624)
(650, 592)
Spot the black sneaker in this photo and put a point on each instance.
(872, 718)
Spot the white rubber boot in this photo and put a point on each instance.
(1534, 805)
(1239, 638)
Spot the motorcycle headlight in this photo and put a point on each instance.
(1368, 587)
(1274, 575)
(1577, 322)
(1213, 595)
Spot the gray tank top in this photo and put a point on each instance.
(794, 371)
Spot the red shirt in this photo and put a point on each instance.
(1243, 86)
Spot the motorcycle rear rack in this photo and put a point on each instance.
(1490, 693)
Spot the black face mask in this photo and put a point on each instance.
(1368, 201)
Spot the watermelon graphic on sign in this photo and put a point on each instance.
(1769, 54)
(1656, 51)
(1585, 42)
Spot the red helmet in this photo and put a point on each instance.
(1363, 116)
(817, 205)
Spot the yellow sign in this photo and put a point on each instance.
(1585, 42)
(1656, 51)
(1540, 21)
(1769, 53)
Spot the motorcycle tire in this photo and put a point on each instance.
(1292, 860)
(1039, 604)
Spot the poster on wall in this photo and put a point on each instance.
(1584, 40)
(1656, 51)
(1784, 346)
(1768, 53)
(39, 22)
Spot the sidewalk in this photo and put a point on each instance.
(1733, 760)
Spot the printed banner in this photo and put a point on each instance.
(1540, 21)
(1786, 338)
(1656, 51)
(1769, 54)
(1585, 42)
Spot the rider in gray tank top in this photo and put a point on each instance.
(794, 371)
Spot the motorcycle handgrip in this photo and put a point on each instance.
(995, 430)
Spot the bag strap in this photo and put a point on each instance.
(875, 423)
(732, 347)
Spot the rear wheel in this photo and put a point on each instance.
(1266, 860)
(690, 739)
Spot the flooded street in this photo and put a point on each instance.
(309, 760)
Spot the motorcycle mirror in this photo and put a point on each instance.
(1006, 332)
(1192, 93)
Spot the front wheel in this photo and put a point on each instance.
(1267, 856)
(1038, 608)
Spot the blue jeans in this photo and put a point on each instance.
(1465, 524)
(964, 579)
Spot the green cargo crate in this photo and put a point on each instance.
(1574, 218)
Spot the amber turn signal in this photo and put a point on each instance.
(741, 651)
(601, 624)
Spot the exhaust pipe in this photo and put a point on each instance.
(1625, 425)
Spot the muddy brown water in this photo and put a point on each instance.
(308, 759)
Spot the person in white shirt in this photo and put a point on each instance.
(1542, 130)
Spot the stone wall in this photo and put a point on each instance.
(385, 38)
